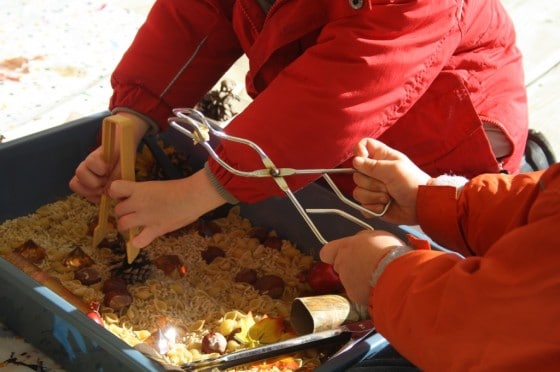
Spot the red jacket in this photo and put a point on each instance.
(496, 310)
(420, 75)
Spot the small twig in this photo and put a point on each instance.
(14, 360)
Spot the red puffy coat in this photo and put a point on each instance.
(495, 310)
(419, 75)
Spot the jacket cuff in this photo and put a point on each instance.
(393, 254)
(153, 127)
(448, 180)
(436, 208)
(218, 186)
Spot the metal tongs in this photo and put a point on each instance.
(108, 133)
(352, 333)
(202, 127)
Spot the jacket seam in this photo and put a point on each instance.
(460, 17)
(183, 68)
(417, 80)
(248, 18)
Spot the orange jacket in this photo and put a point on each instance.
(419, 75)
(498, 309)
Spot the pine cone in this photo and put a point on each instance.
(218, 104)
(136, 272)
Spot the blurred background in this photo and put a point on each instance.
(56, 58)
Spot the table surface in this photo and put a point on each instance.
(56, 59)
(18, 355)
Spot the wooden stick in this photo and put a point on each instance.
(127, 173)
(108, 146)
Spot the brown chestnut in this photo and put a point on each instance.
(259, 233)
(117, 300)
(271, 285)
(246, 276)
(211, 253)
(171, 265)
(77, 258)
(32, 251)
(87, 276)
(273, 242)
(214, 342)
(114, 284)
(207, 228)
(116, 244)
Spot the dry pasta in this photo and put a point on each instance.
(206, 299)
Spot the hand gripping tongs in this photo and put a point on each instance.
(203, 127)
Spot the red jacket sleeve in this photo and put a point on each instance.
(178, 54)
(343, 78)
(496, 309)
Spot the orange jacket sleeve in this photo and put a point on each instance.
(495, 309)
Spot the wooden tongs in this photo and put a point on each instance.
(127, 151)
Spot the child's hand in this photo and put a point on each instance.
(355, 258)
(92, 176)
(159, 207)
(384, 174)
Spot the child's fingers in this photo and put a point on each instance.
(145, 237)
(375, 149)
(329, 251)
(379, 172)
(121, 189)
